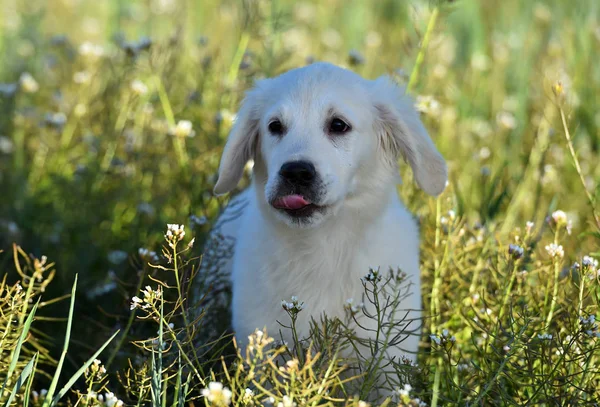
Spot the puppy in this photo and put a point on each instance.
(322, 207)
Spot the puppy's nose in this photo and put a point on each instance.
(298, 172)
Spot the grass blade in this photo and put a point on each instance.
(52, 389)
(81, 370)
(22, 377)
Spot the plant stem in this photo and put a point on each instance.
(421, 55)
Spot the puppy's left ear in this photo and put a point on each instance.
(401, 132)
(242, 143)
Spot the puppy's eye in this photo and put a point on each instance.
(338, 126)
(275, 127)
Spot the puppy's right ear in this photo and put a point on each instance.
(241, 144)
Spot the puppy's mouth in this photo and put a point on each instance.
(295, 205)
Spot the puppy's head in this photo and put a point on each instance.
(324, 139)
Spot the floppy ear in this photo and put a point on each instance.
(241, 144)
(401, 132)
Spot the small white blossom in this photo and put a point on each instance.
(543, 337)
(217, 394)
(560, 218)
(87, 49)
(555, 251)
(294, 306)
(183, 128)
(28, 83)
(138, 87)
(529, 226)
(286, 402)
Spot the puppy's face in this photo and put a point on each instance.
(323, 138)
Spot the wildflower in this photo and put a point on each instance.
(506, 348)
(150, 296)
(191, 243)
(560, 218)
(545, 337)
(363, 404)
(294, 306)
(87, 49)
(247, 398)
(589, 263)
(110, 400)
(217, 394)
(555, 251)
(373, 276)
(96, 369)
(182, 129)
(6, 145)
(135, 302)
(28, 83)
(175, 233)
(353, 308)
(436, 339)
(224, 116)
(138, 87)
(589, 326)
(286, 402)
(428, 105)
(506, 120)
(529, 226)
(515, 251)
(462, 367)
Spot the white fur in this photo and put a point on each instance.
(321, 261)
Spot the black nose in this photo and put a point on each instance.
(298, 172)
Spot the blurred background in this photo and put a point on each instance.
(113, 114)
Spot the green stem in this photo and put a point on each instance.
(421, 55)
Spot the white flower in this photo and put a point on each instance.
(294, 306)
(28, 83)
(175, 233)
(183, 128)
(545, 337)
(6, 145)
(560, 218)
(135, 302)
(216, 393)
(506, 120)
(428, 105)
(555, 251)
(286, 402)
(87, 49)
(138, 87)
(110, 400)
(529, 226)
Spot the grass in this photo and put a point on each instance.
(113, 117)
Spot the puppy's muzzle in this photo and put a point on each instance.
(300, 174)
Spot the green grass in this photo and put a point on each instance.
(91, 171)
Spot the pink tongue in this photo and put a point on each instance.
(291, 202)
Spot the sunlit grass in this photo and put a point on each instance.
(113, 117)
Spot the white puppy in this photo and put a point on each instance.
(322, 207)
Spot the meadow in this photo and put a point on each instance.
(113, 115)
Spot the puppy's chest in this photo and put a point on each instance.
(324, 276)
